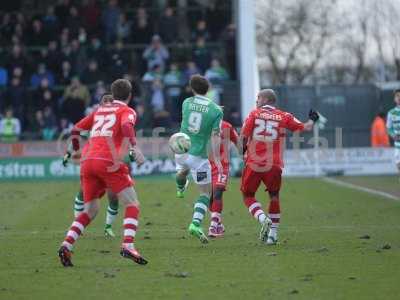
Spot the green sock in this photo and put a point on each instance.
(78, 204)
(180, 181)
(200, 209)
(112, 212)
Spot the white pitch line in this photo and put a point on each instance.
(360, 188)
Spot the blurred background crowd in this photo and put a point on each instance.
(58, 58)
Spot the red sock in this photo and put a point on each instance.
(274, 212)
(255, 209)
(216, 209)
(216, 206)
(130, 225)
(76, 229)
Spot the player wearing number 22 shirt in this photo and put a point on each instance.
(263, 135)
(112, 136)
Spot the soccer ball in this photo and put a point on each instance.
(179, 143)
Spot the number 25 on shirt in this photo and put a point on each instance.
(265, 130)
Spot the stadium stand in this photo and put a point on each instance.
(58, 58)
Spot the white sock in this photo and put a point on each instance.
(111, 215)
(215, 219)
(129, 245)
(261, 218)
(78, 206)
(273, 231)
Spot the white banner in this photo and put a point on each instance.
(346, 161)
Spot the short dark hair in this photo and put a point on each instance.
(106, 97)
(396, 91)
(199, 84)
(269, 94)
(121, 89)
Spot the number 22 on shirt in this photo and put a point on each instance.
(102, 125)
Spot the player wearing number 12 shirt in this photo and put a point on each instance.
(220, 180)
(263, 135)
(112, 136)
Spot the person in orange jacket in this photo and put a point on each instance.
(379, 136)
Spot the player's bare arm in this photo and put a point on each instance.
(135, 154)
(245, 133)
(234, 138)
(215, 148)
(83, 125)
(242, 144)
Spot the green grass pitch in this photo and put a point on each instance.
(320, 255)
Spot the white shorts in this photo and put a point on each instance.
(200, 168)
(397, 156)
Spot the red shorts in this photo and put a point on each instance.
(251, 180)
(99, 175)
(220, 180)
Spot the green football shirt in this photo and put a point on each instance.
(200, 117)
(393, 124)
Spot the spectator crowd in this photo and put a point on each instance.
(55, 64)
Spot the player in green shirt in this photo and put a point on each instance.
(393, 126)
(201, 120)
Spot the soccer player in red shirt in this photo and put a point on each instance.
(263, 136)
(220, 180)
(112, 136)
(112, 209)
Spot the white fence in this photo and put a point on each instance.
(346, 161)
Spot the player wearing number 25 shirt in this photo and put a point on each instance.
(263, 135)
(112, 135)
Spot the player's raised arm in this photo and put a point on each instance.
(293, 124)
(313, 118)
